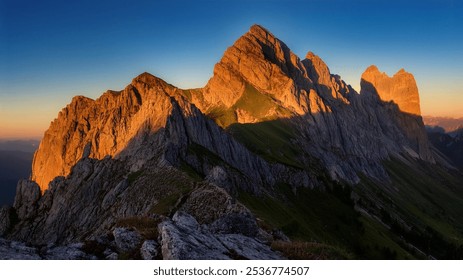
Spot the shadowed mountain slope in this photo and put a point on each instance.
(275, 153)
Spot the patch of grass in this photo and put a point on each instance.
(327, 218)
(134, 176)
(222, 116)
(273, 140)
(308, 215)
(193, 174)
(424, 206)
(379, 243)
(255, 103)
(258, 105)
(310, 251)
(203, 153)
(433, 197)
(167, 204)
(146, 226)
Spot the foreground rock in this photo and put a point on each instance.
(13, 250)
(149, 250)
(183, 238)
(126, 240)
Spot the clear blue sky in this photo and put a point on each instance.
(53, 50)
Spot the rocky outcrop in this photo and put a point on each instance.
(13, 250)
(400, 88)
(126, 240)
(7, 216)
(26, 199)
(149, 250)
(184, 238)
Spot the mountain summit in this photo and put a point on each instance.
(400, 88)
(272, 149)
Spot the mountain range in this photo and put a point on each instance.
(274, 158)
(446, 123)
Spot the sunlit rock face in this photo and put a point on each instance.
(101, 127)
(258, 80)
(400, 88)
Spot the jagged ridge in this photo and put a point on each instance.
(266, 122)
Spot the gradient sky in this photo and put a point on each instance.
(53, 50)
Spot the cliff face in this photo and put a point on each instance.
(265, 121)
(400, 88)
(258, 79)
(102, 127)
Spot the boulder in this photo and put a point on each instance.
(149, 250)
(126, 240)
(181, 238)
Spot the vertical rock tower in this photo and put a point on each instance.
(400, 88)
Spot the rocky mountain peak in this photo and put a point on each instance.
(372, 69)
(257, 66)
(317, 69)
(400, 88)
(102, 127)
(258, 30)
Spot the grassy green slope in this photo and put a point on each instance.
(328, 218)
(423, 206)
(417, 215)
(273, 140)
(258, 105)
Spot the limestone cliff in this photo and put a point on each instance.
(400, 88)
(258, 80)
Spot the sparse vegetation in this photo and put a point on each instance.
(256, 104)
(310, 251)
(309, 216)
(167, 204)
(273, 140)
(134, 176)
(421, 209)
(146, 226)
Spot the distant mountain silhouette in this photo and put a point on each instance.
(450, 144)
(448, 124)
